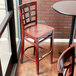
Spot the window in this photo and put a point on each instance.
(8, 52)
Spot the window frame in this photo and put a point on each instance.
(15, 56)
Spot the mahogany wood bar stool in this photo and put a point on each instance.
(37, 32)
(66, 68)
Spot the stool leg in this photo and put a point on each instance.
(51, 47)
(37, 56)
(34, 48)
(22, 51)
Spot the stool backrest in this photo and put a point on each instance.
(28, 14)
(65, 64)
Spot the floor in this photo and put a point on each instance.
(28, 67)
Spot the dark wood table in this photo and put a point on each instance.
(68, 8)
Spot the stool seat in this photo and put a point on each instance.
(37, 31)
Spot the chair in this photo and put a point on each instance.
(65, 64)
(37, 32)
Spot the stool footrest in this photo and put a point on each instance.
(30, 42)
(29, 58)
(28, 48)
(43, 48)
(43, 56)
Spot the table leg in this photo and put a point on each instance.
(72, 34)
(72, 30)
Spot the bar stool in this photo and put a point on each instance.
(37, 32)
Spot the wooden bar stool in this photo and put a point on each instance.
(37, 32)
(66, 68)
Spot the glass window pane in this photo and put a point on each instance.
(5, 48)
(5, 53)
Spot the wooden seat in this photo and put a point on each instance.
(65, 64)
(31, 29)
(38, 31)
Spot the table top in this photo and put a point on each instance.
(65, 7)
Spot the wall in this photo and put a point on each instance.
(46, 14)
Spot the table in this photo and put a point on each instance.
(67, 8)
